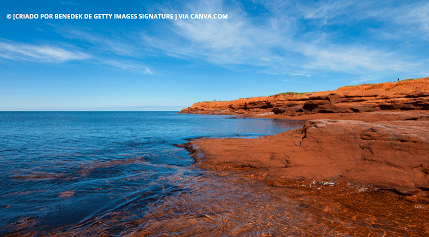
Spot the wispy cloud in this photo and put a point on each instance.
(276, 44)
(39, 53)
(291, 38)
(128, 54)
(279, 43)
(72, 2)
(119, 45)
(401, 18)
(353, 59)
(326, 10)
(129, 66)
(52, 54)
(417, 16)
(237, 40)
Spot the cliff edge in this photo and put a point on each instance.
(402, 95)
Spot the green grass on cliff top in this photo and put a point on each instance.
(293, 93)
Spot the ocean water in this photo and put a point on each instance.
(94, 173)
(119, 174)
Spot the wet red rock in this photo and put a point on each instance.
(373, 139)
(390, 155)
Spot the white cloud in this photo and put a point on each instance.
(38, 53)
(51, 54)
(326, 10)
(279, 42)
(353, 59)
(237, 40)
(122, 46)
(404, 19)
(129, 66)
(67, 3)
(119, 45)
(419, 16)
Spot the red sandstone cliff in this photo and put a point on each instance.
(403, 95)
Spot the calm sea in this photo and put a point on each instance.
(63, 172)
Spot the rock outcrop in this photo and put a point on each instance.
(375, 135)
(390, 155)
(403, 95)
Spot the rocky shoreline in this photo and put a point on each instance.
(368, 135)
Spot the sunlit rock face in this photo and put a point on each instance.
(403, 95)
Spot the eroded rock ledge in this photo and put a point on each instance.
(403, 95)
(375, 135)
(390, 155)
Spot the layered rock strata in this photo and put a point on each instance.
(404, 95)
(376, 135)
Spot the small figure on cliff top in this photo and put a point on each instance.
(398, 79)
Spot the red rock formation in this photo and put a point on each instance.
(403, 95)
(390, 155)
(369, 135)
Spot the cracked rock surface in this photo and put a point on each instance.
(389, 155)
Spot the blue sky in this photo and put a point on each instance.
(263, 48)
